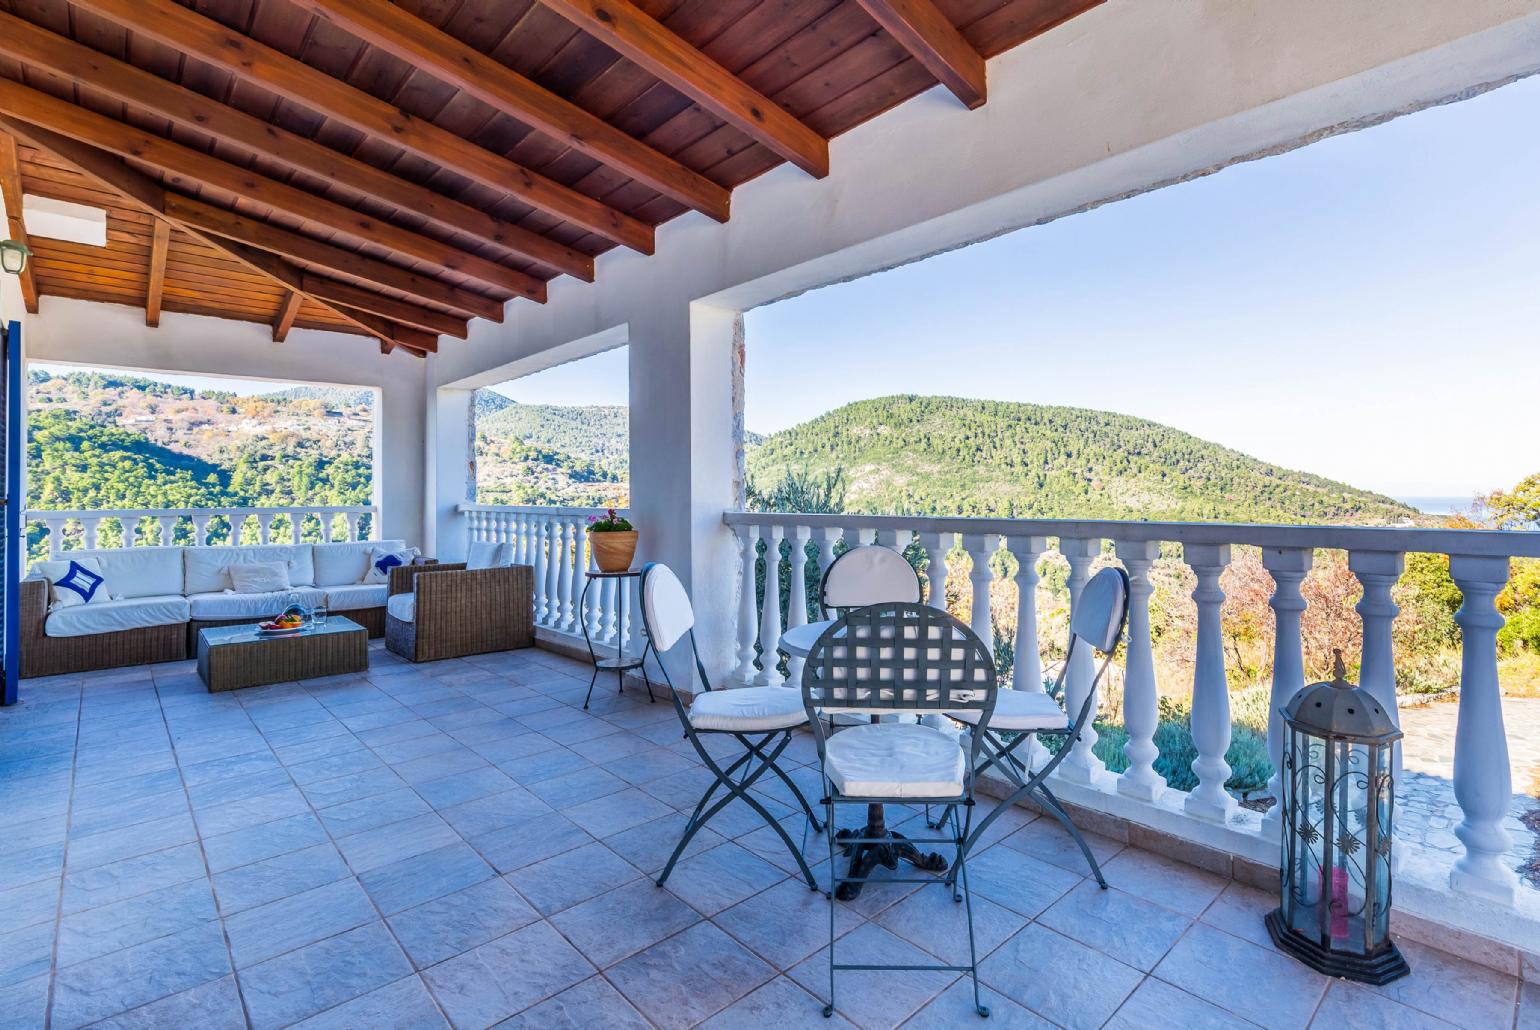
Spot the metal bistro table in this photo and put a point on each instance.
(798, 642)
(620, 664)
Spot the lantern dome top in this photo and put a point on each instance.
(1341, 709)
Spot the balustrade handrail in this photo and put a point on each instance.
(168, 521)
(1402, 539)
(45, 514)
(539, 509)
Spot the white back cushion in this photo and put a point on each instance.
(870, 574)
(204, 567)
(486, 554)
(665, 606)
(74, 581)
(345, 563)
(1098, 618)
(259, 577)
(138, 571)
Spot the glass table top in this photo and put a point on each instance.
(248, 633)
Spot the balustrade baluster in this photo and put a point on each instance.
(594, 618)
(1483, 782)
(90, 526)
(935, 573)
(796, 602)
(55, 537)
(1141, 704)
(748, 614)
(981, 575)
(1027, 663)
(1379, 571)
(351, 518)
(201, 530)
(1288, 567)
(265, 527)
(1082, 765)
(544, 569)
(826, 540)
(167, 524)
(770, 615)
(1210, 690)
(572, 562)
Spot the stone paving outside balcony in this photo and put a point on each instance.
(460, 844)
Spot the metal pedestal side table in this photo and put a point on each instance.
(620, 664)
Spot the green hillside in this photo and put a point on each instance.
(951, 456)
(598, 434)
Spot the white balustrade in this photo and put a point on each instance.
(1082, 765)
(1288, 566)
(748, 609)
(938, 546)
(770, 617)
(1210, 688)
(150, 527)
(980, 576)
(1141, 707)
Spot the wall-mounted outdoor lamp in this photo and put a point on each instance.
(13, 256)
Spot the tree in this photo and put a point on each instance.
(1518, 508)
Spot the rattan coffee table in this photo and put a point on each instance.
(231, 657)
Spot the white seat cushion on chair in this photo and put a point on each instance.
(748, 709)
(894, 760)
(402, 607)
(356, 596)
(213, 606)
(1021, 711)
(84, 620)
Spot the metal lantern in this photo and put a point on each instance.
(1338, 799)
(13, 256)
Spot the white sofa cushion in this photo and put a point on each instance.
(894, 760)
(748, 709)
(1021, 711)
(137, 571)
(259, 577)
(346, 562)
(204, 567)
(212, 605)
(402, 607)
(355, 596)
(74, 582)
(83, 620)
(487, 554)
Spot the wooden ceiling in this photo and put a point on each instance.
(395, 169)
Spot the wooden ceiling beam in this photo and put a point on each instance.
(85, 67)
(630, 31)
(156, 285)
(292, 302)
(16, 228)
(921, 28)
(229, 225)
(38, 108)
(426, 47)
(149, 195)
(396, 310)
(206, 40)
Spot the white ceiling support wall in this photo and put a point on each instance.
(114, 336)
(1127, 97)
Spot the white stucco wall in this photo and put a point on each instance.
(115, 336)
(1132, 95)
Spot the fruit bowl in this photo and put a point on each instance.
(276, 627)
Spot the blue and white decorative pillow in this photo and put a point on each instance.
(383, 559)
(78, 581)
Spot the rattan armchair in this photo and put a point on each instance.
(455, 612)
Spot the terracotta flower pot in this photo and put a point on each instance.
(613, 551)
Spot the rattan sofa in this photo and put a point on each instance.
(163, 596)
(447, 611)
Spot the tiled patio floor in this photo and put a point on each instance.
(460, 844)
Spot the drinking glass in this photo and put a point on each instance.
(318, 616)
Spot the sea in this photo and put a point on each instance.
(1439, 505)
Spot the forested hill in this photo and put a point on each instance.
(952, 456)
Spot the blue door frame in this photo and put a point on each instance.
(14, 515)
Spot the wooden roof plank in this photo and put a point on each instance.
(185, 107)
(936, 43)
(156, 282)
(207, 40)
(16, 229)
(626, 28)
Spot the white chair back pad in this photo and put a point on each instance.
(1098, 617)
(666, 607)
(870, 574)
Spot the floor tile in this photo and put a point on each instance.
(373, 810)
(506, 976)
(1240, 910)
(215, 1005)
(955, 1007)
(509, 808)
(402, 1005)
(1049, 841)
(873, 998)
(563, 792)
(1260, 984)
(321, 976)
(444, 927)
(1058, 978)
(779, 1003)
(624, 921)
(269, 930)
(122, 924)
(1018, 881)
(466, 786)
(25, 953)
(391, 843)
(650, 845)
(930, 919)
(24, 1005)
(280, 877)
(412, 881)
(1156, 1004)
(1349, 1004)
(572, 877)
(1129, 929)
(1452, 988)
(722, 971)
(592, 1003)
(255, 843)
(29, 904)
(786, 923)
(615, 813)
(722, 877)
(514, 847)
(1168, 883)
(136, 976)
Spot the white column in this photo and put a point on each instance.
(571, 560)
(1483, 782)
(1288, 566)
(826, 540)
(770, 616)
(935, 590)
(748, 616)
(1027, 668)
(1082, 765)
(1210, 691)
(552, 559)
(1141, 708)
(796, 606)
(980, 576)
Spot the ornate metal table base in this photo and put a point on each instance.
(893, 847)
